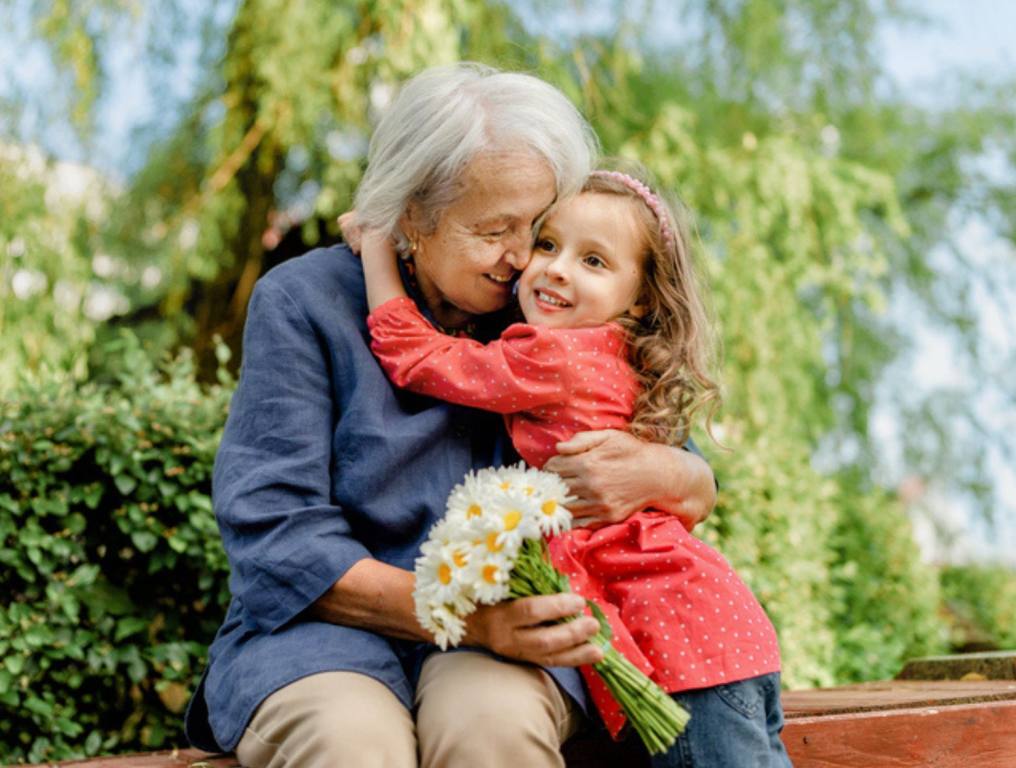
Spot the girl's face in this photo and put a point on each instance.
(586, 267)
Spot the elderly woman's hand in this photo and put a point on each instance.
(614, 474)
(524, 630)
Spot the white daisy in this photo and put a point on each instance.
(441, 570)
(515, 516)
(469, 498)
(445, 623)
(491, 572)
(511, 478)
(553, 497)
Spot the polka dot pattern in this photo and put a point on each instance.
(678, 610)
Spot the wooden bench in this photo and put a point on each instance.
(898, 723)
(903, 724)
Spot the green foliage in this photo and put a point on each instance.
(984, 596)
(112, 561)
(773, 523)
(45, 272)
(815, 204)
(885, 599)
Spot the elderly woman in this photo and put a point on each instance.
(328, 479)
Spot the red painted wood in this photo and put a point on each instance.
(980, 735)
(177, 758)
(894, 694)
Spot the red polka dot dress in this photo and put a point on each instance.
(679, 611)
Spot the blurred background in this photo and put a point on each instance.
(850, 169)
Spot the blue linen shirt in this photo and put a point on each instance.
(323, 463)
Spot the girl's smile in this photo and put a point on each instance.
(586, 267)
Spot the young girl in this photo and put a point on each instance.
(613, 339)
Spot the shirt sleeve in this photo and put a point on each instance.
(692, 447)
(286, 539)
(524, 369)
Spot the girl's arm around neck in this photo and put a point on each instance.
(380, 269)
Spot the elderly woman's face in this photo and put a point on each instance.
(482, 241)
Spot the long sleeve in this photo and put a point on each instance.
(286, 539)
(526, 368)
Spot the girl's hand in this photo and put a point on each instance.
(521, 629)
(614, 475)
(380, 268)
(352, 232)
(376, 247)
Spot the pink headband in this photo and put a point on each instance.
(647, 196)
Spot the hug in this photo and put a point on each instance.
(338, 458)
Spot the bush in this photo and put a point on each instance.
(984, 599)
(886, 598)
(111, 558)
(834, 564)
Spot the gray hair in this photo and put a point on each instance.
(446, 116)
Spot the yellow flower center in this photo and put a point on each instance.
(475, 510)
(444, 574)
(549, 507)
(490, 574)
(505, 485)
(512, 519)
(492, 545)
(459, 558)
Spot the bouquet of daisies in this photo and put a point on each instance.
(491, 546)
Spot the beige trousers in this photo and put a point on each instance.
(472, 710)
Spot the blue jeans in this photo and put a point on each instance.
(736, 725)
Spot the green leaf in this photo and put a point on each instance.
(39, 636)
(128, 626)
(93, 494)
(145, 541)
(68, 727)
(38, 706)
(177, 544)
(136, 669)
(125, 484)
(76, 523)
(104, 598)
(93, 743)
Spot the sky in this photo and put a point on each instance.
(972, 35)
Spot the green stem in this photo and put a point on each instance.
(655, 716)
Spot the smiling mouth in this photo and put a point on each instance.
(547, 298)
(500, 279)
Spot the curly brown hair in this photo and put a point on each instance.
(673, 346)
